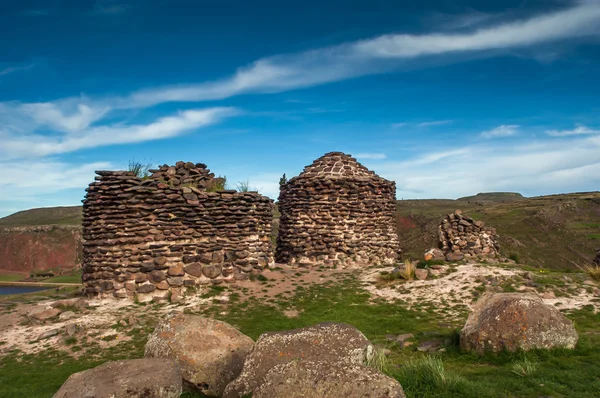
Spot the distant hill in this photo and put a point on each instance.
(68, 215)
(493, 197)
(555, 231)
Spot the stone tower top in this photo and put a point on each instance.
(337, 165)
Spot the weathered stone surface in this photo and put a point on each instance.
(211, 353)
(452, 257)
(516, 321)
(212, 271)
(42, 314)
(135, 378)
(325, 342)
(48, 333)
(421, 274)
(337, 211)
(147, 288)
(194, 269)
(66, 315)
(302, 379)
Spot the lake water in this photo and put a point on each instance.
(19, 289)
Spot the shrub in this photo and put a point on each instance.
(514, 257)
(407, 272)
(140, 169)
(243, 186)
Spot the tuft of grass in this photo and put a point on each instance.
(243, 186)
(407, 272)
(593, 271)
(217, 184)
(428, 374)
(514, 257)
(523, 367)
(141, 170)
(378, 360)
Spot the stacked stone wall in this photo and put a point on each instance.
(337, 212)
(462, 237)
(156, 237)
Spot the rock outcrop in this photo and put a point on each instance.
(301, 379)
(460, 237)
(516, 321)
(154, 237)
(337, 211)
(210, 353)
(135, 378)
(337, 344)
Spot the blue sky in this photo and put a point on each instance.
(445, 98)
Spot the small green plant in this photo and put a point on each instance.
(524, 367)
(283, 180)
(429, 373)
(243, 186)
(140, 169)
(378, 360)
(261, 278)
(217, 184)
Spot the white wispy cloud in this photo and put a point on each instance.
(17, 68)
(505, 130)
(375, 156)
(579, 129)
(434, 123)
(38, 145)
(378, 55)
(533, 168)
(397, 125)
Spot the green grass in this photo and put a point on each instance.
(593, 236)
(558, 373)
(11, 277)
(74, 277)
(68, 215)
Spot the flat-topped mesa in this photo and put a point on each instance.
(337, 212)
(155, 237)
(460, 237)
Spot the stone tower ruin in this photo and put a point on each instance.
(337, 211)
(156, 237)
(460, 237)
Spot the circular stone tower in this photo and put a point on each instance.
(337, 212)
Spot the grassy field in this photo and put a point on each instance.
(11, 277)
(68, 215)
(558, 373)
(74, 277)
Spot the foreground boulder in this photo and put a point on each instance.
(301, 379)
(135, 378)
(516, 321)
(333, 343)
(210, 353)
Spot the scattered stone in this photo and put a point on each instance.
(589, 283)
(43, 314)
(421, 274)
(71, 329)
(430, 346)
(221, 299)
(134, 378)
(47, 334)
(66, 315)
(516, 321)
(401, 338)
(210, 353)
(333, 343)
(315, 379)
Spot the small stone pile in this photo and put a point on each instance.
(462, 237)
(182, 173)
(154, 237)
(337, 211)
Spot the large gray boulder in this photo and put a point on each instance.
(210, 353)
(301, 379)
(334, 343)
(515, 321)
(134, 378)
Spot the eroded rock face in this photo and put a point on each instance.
(135, 378)
(301, 379)
(333, 343)
(210, 353)
(516, 321)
